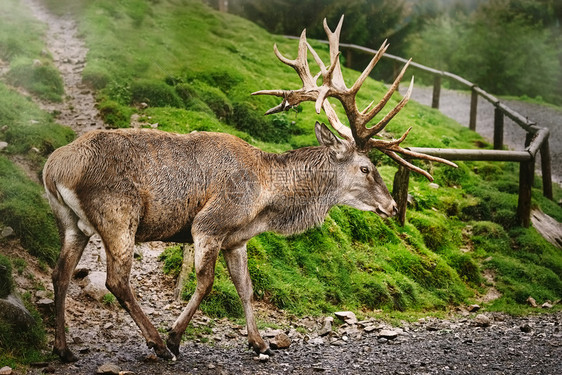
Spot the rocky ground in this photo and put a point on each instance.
(107, 341)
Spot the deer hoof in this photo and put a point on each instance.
(172, 345)
(65, 355)
(259, 350)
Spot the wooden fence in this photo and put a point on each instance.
(535, 141)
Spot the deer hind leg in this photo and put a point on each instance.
(237, 263)
(206, 253)
(73, 244)
(119, 246)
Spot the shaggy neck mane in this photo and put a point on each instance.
(304, 187)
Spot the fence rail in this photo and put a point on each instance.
(536, 140)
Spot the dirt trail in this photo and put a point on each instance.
(78, 109)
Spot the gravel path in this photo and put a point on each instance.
(456, 105)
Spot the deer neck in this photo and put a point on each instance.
(302, 189)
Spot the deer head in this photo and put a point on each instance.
(358, 134)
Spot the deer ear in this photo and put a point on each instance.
(327, 138)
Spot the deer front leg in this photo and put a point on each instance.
(237, 263)
(206, 253)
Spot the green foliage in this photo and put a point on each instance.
(109, 299)
(114, 114)
(40, 78)
(154, 93)
(27, 127)
(23, 207)
(172, 257)
(223, 299)
(17, 345)
(6, 280)
(504, 46)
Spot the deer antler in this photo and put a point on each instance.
(334, 86)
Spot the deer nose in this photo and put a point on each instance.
(395, 210)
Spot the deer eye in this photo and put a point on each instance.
(364, 170)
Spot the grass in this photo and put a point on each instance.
(21, 45)
(32, 135)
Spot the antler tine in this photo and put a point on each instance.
(392, 147)
(407, 164)
(382, 123)
(374, 111)
(357, 85)
(334, 41)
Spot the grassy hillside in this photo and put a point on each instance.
(195, 69)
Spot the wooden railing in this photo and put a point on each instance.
(536, 141)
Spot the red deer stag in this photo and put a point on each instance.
(215, 191)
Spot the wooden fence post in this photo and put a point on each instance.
(546, 170)
(526, 177)
(473, 109)
(400, 192)
(436, 91)
(348, 57)
(498, 129)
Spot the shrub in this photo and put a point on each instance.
(225, 80)
(114, 114)
(215, 99)
(42, 79)
(95, 76)
(155, 94)
(275, 129)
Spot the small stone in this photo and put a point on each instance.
(262, 358)
(433, 185)
(95, 285)
(547, 305)
(108, 368)
(316, 341)
(482, 320)
(3, 145)
(388, 334)
(370, 328)
(6, 370)
(526, 328)
(7, 232)
(347, 316)
(50, 369)
(281, 341)
(326, 327)
(531, 301)
(473, 308)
